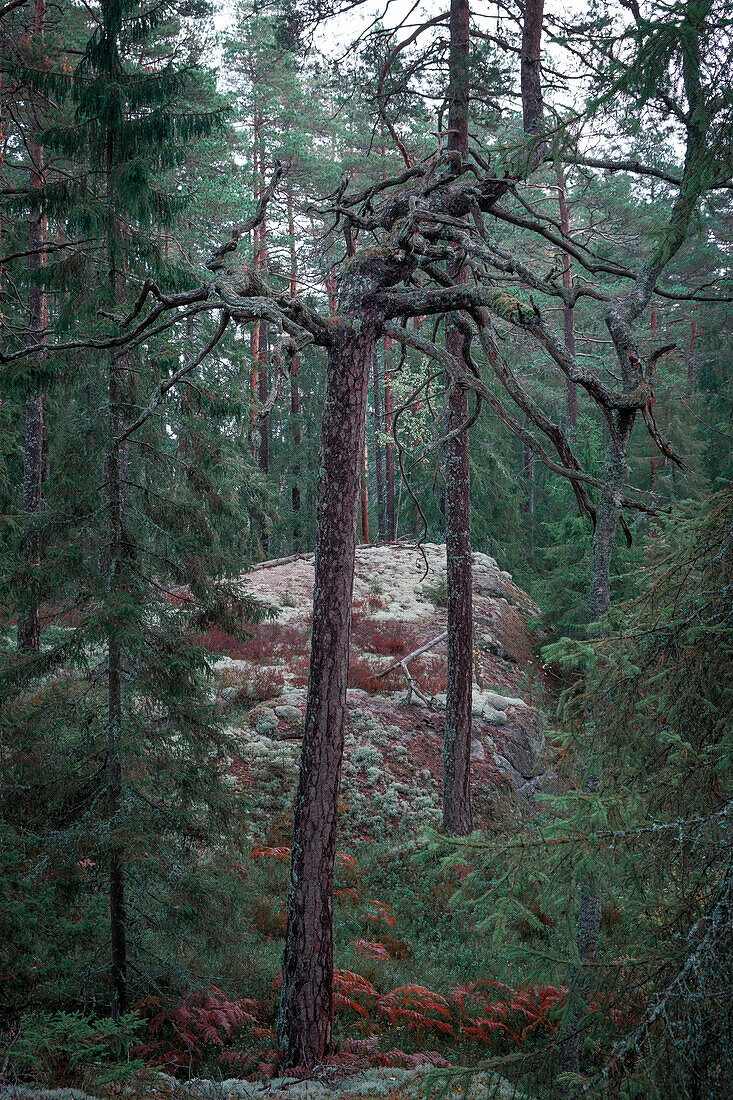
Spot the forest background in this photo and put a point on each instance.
(192, 225)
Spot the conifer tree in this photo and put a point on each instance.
(147, 566)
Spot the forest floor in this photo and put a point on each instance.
(387, 1084)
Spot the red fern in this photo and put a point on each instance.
(417, 1009)
(353, 992)
(516, 1013)
(380, 912)
(188, 1034)
(345, 893)
(371, 950)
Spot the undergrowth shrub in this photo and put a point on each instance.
(431, 673)
(239, 687)
(366, 678)
(268, 640)
(387, 638)
(71, 1048)
(193, 1034)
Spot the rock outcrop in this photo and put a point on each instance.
(393, 758)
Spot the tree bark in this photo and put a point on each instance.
(691, 356)
(255, 338)
(306, 1007)
(457, 818)
(389, 446)
(117, 914)
(116, 508)
(364, 494)
(294, 388)
(378, 456)
(263, 454)
(115, 500)
(29, 620)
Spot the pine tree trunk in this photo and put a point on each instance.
(654, 456)
(378, 457)
(117, 915)
(568, 313)
(588, 927)
(115, 500)
(294, 390)
(364, 494)
(306, 1007)
(29, 620)
(263, 454)
(389, 446)
(528, 469)
(457, 818)
(255, 338)
(691, 356)
(115, 505)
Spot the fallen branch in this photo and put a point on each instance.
(279, 561)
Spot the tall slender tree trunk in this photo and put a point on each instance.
(608, 517)
(116, 506)
(115, 501)
(528, 468)
(364, 493)
(568, 313)
(29, 620)
(457, 817)
(263, 454)
(691, 356)
(389, 445)
(654, 456)
(255, 337)
(306, 1007)
(378, 456)
(588, 926)
(294, 388)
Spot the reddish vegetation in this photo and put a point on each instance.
(379, 912)
(364, 677)
(371, 950)
(262, 684)
(269, 917)
(360, 1054)
(269, 641)
(208, 1028)
(431, 673)
(196, 1030)
(389, 639)
(515, 637)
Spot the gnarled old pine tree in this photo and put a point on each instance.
(422, 219)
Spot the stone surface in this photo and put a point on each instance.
(264, 720)
(290, 714)
(493, 716)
